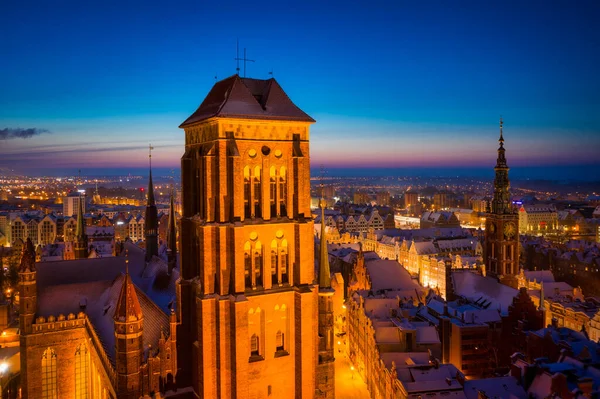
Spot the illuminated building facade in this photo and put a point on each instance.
(247, 302)
(410, 198)
(361, 197)
(537, 219)
(501, 249)
(71, 204)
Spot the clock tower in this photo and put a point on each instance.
(501, 252)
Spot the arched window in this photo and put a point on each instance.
(82, 372)
(279, 341)
(258, 264)
(49, 375)
(274, 277)
(257, 192)
(247, 265)
(247, 192)
(283, 255)
(254, 345)
(273, 191)
(282, 191)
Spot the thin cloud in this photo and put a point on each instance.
(20, 133)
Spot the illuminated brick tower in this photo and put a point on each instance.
(247, 302)
(80, 246)
(326, 367)
(151, 219)
(502, 234)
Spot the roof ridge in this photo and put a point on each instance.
(236, 78)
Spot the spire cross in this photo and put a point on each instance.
(238, 59)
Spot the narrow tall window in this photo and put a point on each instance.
(279, 341)
(257, 192)
(247, 203)
(273, 191)
(274, 278)
(258, 264)
(81, 372)
(247, 266)
(49, 375)
(284, 262)
(254, 345)
(282, 192)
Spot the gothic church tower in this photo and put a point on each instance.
(247, 302)
(80, 246)
(151, 219)
(501, 232)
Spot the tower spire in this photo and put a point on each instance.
(79, 232)
(172, 234)
(542, 306)
(151, 220)
(501, 201)
(501, 139)
(150, 185)
(324, 273)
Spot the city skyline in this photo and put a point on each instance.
(390, 87)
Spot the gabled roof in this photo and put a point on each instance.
(247, 98)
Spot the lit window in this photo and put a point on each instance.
(81, 372)
(49, 374)
(279, 340)
(254, 345)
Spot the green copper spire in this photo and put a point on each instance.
(324, 273)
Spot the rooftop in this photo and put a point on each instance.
(247, 98)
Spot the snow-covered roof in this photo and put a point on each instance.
(424, 247)
(497, 388)
(389, 275)
(483, 290)
(545, 276)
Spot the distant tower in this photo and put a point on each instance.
(129, 346)
(172, 236)
(80, 246)
(27, 304)
(502, 234)
(151, 222)
(96, 198)
(325, 369)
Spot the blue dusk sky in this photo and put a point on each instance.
(395, 84)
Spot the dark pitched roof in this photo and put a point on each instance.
(128, 305)
(101, 299)
(247, 98)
